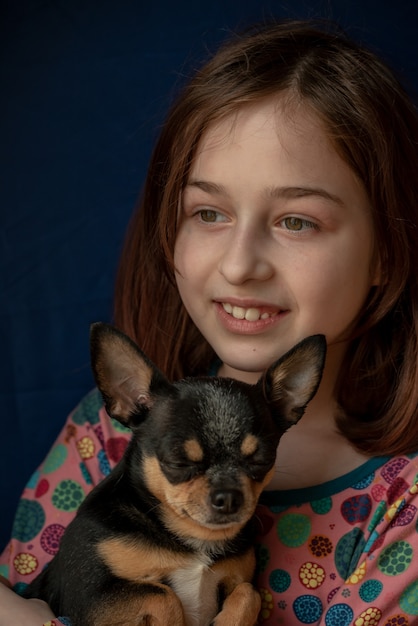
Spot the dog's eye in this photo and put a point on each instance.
(176, 465)
(258, 470)
(178, 471)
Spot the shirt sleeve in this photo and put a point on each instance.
(88, 447)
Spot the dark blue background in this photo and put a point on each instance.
(84, 87)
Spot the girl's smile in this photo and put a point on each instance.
(252, 319)
(275, 237)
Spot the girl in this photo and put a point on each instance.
(280, 202)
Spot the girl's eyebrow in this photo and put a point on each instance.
(300, 192)
(207, 186)
(287, 192)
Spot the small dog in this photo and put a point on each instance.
(167, 537)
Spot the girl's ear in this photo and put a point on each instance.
(126, 378)
(290, 383)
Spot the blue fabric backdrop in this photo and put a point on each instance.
(84, 88)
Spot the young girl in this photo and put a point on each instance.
(281, 201)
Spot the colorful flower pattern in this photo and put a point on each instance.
(343, 553)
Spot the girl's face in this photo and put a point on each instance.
(275, 238)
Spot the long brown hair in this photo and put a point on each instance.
(374, 126)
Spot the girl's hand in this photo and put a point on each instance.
(19, 611)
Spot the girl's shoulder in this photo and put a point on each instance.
(91, 419)
(95, 440)
(342, 552)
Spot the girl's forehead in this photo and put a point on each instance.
(280, 115)
(279, 127)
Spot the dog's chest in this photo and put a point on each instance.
(197, 587)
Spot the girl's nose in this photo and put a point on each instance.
(246, 257)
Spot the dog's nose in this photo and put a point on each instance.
(226, 500)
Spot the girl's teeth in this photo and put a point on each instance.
(251, 315)
(238, 312)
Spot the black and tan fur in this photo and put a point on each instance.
(166, 538)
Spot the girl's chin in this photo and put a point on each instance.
(249, 377)
(246, 369)
(253, 355)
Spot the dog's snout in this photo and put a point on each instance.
(226, 501)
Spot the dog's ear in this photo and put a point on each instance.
(125, 376)
(290, 383)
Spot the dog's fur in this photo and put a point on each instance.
(167, 537)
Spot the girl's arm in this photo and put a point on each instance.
(19, 612)
(89, 445)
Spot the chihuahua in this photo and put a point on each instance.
(167, 537)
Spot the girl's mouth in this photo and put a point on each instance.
(252, 314)
(248, 320)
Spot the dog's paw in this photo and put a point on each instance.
(241, 607)
(143, 605)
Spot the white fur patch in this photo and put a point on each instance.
(197, 586)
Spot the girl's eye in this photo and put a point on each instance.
(296, 224)
(210, 216)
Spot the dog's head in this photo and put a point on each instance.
(207, 446)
